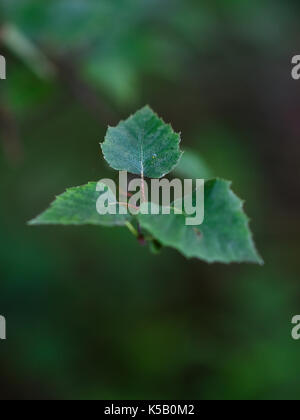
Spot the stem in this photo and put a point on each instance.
(128, 205)
(142, 176)
(125, 194)
(143, 188)
(132, 229)
(124, 204)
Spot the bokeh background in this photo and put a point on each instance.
(91, 314)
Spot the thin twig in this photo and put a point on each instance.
(125, 204)
(132, 229)
(142, 176)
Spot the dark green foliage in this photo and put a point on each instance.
(145, 145)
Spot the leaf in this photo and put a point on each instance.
(191, 166)
(77, 206)
(142, 145)
(155, 247)
(115, 75)
(223, 237)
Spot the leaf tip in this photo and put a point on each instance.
(34, 222)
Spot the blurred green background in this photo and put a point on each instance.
(90, 313)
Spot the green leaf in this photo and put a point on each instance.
(155, 247)
(77, 206)
(191, 166)
(142, 145)
(223, 237)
